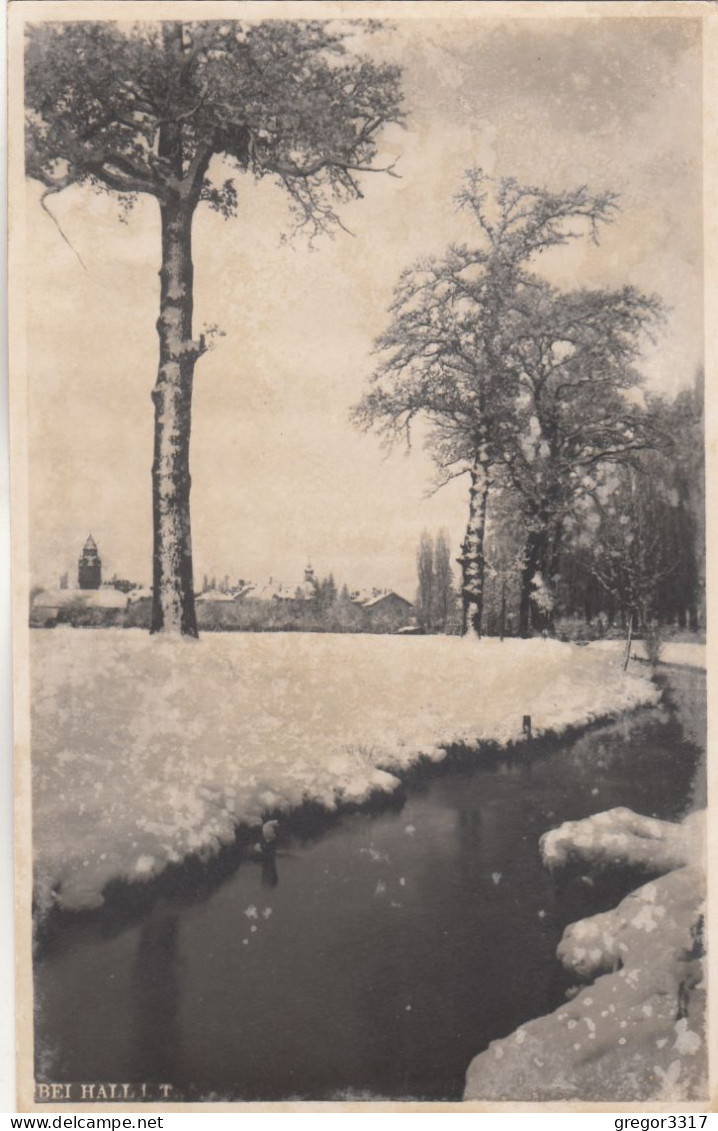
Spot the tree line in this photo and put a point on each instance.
(435, 604)
(632, 554)
(583, 488)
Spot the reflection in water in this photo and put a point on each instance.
(270, 876)
(155, 1041)
(396, 947)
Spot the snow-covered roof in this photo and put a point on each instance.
(276, 591)
(373, 601)
(362, 596)
(104, 598)
(215, 595)
(304, 591)
(140, 594)
(264, 592)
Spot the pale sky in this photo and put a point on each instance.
(279, 474)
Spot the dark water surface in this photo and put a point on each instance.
(374, 957)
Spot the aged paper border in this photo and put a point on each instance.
(22, 11)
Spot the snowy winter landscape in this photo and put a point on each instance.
(383, 776)
(152, 751)
(147, 750)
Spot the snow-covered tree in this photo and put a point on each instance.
(634, 546)
(444, 593)
(578, 409)
(629, 556)
(680, 467)
(425, 592)
(175, 111)
(451, 354)
(326, 594)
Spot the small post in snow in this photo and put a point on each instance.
(629, 635)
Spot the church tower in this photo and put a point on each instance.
(89, 567)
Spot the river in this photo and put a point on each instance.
(377, 953)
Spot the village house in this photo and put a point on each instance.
(209, 595)
(300, 593)
(101, 607)
(385, 611)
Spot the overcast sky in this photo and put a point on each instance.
(279, 474)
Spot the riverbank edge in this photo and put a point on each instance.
(696, 1003)
(130, 896)
(654, 1001)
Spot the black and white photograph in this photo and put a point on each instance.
(358, 403)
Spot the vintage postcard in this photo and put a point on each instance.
(358, 418)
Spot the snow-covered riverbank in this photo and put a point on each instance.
(681, 653)
(147, 750)
(637, 1031)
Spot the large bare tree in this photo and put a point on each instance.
(450, 355)
(174, 111)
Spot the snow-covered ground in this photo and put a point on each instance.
(682, 652)
(146, 750)
(620, 835)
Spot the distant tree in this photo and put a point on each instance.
(425, 593)
(326, 595)
(629, 560)
(451, 353)
(635, 546)
(580, 597)
(346, 615)
(680, 467)
(173, 110)
(64, 580)
(444, 595)
(574, 354)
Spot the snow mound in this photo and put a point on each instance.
(657, 918)
(620, 836)
(635, 1034)
(146, 750)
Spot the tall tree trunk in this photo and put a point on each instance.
(473, 565)
(534, 559)
(540, 555)
(693, 616)
(173, 586)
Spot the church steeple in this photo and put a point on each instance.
(89, 567)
